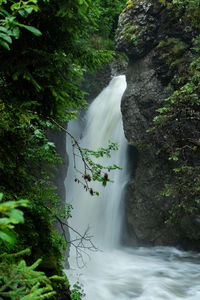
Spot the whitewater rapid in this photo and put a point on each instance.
(158, 273)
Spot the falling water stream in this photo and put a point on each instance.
(115, 272)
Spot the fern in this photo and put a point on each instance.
(19, 281)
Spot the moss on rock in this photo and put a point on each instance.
(130, 4)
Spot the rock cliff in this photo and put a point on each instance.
(143, 26)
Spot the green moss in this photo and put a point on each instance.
(178, 62)
(172, 51)
(129, 33)
(130, 4)
(130, 28)
(131, 38)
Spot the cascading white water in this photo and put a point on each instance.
(119, 273)
(102, 213)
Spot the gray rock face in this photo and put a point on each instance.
(138, 27)
(96, 81)
(145, 213)
(141, 27)
(143, 95)
(59, 139)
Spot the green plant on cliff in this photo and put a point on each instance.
(129, 33)
(176, 126)
(188, 10)
(172, 51)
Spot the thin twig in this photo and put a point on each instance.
(82, 243)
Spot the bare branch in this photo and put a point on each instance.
(81, 244)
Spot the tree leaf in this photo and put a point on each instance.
(4, 222)
(7, 206)
(34, 30)
(4, 29)
(16, 216)
(16, 32)
(7, 236)
(4, 44)
(6, 37)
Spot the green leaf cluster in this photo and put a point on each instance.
(10, 24)
(96, 170)
(76, 292)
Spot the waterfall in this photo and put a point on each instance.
(102, 214)
(119, 273)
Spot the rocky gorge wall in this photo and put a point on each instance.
(143, 26)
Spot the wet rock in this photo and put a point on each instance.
(145, 213)
(95, 82)
(59, 139)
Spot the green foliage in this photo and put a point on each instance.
(92, 169)
(172, 51)
(19, 281)
(52, 77)
(176, 130)
(188, 10)
(10, 27)
(96, 171)
(24, 175)
(185, 193)
(129, 33)
(11, 216)
(105, 15)
(76, 292)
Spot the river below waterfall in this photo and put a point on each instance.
(115, 272)
(158, 273)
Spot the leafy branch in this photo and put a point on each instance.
(92, 170)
